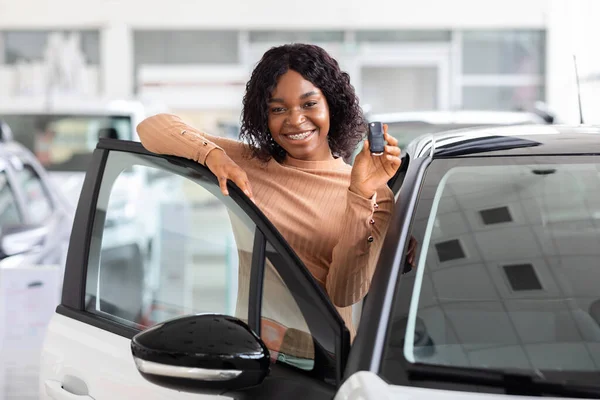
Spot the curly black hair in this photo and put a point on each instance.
(347, 123)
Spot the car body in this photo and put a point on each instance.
(35, 221)
(502, 299)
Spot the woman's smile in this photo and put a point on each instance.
(299, 136)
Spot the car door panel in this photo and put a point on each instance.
(89, 340)
(100, 359)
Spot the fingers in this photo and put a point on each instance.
(392, 141)
(241, 180)
(393, 161)
(411, 253)
(223, 185)
(393, 150)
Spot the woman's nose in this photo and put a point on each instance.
(296, 117)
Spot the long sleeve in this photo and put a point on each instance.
(168, 134)
(355, 255)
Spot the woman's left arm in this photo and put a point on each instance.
(355, 255)
(368, 213)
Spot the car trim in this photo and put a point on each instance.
(73, 294)
(369, 344)
(199, 374)
(98, 321)
(257, 272)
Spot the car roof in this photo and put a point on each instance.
(459, 117)
(509, 140)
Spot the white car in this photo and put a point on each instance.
(503, 299)
(406, 126)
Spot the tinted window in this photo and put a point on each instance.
(9, 213)
(37, 202)
(507, 268)
(65, 142)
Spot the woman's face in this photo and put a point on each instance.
(299, 118)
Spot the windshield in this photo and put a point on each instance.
(507, 268)
(65, 142)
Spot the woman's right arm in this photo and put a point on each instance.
(168, 134)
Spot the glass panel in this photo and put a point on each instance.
(297, 36)
(507, 271)
(186, 47)
(28, 46)
(65, 142)
(32, 45)
(283, 328)
(507, 98)
(9, 213)
(403, 36)
(36, 199)
(176, 250)
(393, 89)
(504, 52)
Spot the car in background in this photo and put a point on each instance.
(502, 301)
(62, 138)
(35, 219)
(406, 126)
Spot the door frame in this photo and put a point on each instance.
(437, 55)
(317, 310)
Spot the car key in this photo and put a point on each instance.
(376, 140)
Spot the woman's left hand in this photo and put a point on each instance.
(370, 172)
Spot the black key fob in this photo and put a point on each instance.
(376, 140)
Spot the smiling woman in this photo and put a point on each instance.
(300, 118)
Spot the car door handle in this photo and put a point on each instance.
(55, 390)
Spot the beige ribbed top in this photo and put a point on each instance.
(335, 232)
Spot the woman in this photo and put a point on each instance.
(300, 118)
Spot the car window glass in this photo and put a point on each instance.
(171, 246)
(283, 327)
(9, 213)
(506, 270)
(165, 248)
(65, 142)
(37, 202)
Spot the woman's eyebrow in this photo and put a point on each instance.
(305, 95)
(308, 94)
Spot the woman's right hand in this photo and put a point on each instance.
(225, 169)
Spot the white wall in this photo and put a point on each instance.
(573, 29)
(274, 14)
(571, 25)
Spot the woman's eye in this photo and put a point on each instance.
(277, 109)
(310, 104)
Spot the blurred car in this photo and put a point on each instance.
(502, 300)
(406, 126)
(63, 137)
(35, 220)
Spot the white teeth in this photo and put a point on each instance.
(300, 136)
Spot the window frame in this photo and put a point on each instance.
(323, 317)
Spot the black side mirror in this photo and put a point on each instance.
(20, 239)
(206, 353)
